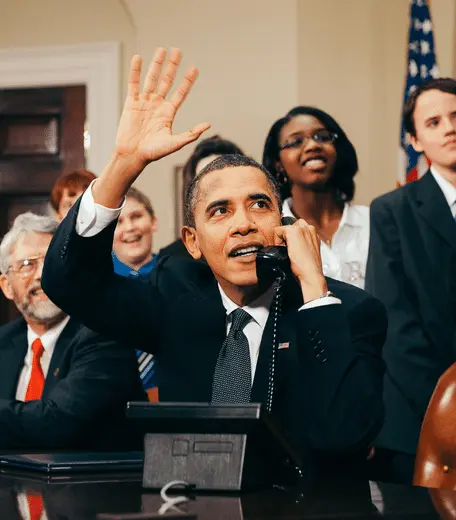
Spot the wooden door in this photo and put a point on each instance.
(41, 137)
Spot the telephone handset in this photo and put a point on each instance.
(273, 266)
(272, 262)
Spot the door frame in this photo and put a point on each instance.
(97, 66)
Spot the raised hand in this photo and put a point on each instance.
(145, 129)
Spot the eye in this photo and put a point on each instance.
(292, 143)
(261, 204)
(219, 211)
(433, 122)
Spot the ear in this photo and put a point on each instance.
(6, 287)
(415, 143)
(190, 241)
(154, 224)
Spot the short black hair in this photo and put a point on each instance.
(214, 145)
(447, 85)
(346, 165)
(221, 163)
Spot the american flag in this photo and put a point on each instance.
(421, 66)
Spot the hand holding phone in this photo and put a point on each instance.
(303, 248)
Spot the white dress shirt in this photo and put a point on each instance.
(259, 311)
(346, 258)
(48, 339)
(448, 190)
(24, 508)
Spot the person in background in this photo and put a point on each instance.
(67, 189)
(412, 270)
(205, 152)
(132, 257)
(61, 385)
(315, 163)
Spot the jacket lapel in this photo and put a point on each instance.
(67, 335)
(434, 208)
(12, 354)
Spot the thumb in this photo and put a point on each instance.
(192, 135)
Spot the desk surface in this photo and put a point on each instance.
(83, 499)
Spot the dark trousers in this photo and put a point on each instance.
(391, 466)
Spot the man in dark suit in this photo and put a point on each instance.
(412, 269)
(61, 385)
(209, 323)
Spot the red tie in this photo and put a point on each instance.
(36, 383)
(36, 506)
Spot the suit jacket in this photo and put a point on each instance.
(87, 387)
(176, 248)
(329, 379)
(412, 268)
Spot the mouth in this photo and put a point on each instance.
(451, 142)
(315, 162)
(135, 239)
(245, 250)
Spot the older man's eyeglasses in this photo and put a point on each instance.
(26, 267)
(319, 136)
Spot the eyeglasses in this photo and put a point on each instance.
(319, 136)
(26, 267)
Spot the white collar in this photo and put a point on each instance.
(50, 337)
(448, 190)
(349, 217)
(258, 309)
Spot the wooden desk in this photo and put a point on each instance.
(82, 499)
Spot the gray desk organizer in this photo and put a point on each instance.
(213, 447)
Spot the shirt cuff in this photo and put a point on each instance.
(320, 302)
(93, 218)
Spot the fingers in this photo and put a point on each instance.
(168, 75)
(300, 227)
(184, 88)
(135, 76)
(311, 230)
(153, 73)
(192, 135)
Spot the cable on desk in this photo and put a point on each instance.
(172, 502)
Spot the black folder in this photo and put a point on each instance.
(74, 462)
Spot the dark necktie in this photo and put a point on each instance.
(233, 374)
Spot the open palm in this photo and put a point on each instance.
(145, 128)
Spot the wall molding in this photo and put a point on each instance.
(97, 66)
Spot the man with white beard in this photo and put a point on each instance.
(61, 385)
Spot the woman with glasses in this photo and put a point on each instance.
(315, 163)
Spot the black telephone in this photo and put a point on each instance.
(272, 262)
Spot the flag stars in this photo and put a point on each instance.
(434, 72)
(427, 26)
(425, 47)
(413, 68)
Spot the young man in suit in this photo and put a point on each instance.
(209, 323)
(61, 385)
(411, 269)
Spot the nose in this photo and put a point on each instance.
(449, 125)
(128, 224)
(39, 269)
(243, 223)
